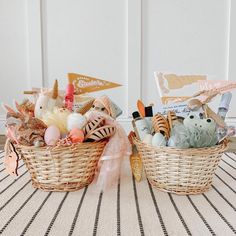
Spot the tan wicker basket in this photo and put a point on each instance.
(180, 171)
(67, 168)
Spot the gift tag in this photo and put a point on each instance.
(11, 160)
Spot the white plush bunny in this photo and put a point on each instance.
(47, 101)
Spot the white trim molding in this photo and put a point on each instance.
(232, 42)
(35, 47)
(134, 53)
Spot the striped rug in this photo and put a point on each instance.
(129, 208)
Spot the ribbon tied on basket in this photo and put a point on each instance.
(116, 148)
(196, 104)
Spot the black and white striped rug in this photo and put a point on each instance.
(129, 208)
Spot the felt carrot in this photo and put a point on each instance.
(141, 108)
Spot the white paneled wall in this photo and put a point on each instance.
(232, 53)
(13, 47)
(118, 40)
(14, 63)
(186, 37)
(89, 37)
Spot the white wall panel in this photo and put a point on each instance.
(87, 37)
(13, 52)
(185, 37)
(232, 54)
(121, 41)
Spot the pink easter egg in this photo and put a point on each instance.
(52, 135)
(76, 135)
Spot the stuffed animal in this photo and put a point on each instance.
(24, 129)
(26, 107)
(47, 101)
(194, 132)
(105, 105)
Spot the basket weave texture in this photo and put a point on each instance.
(67, 168)
(180, 171)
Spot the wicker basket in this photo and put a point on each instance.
(180, 171)
(62, 168)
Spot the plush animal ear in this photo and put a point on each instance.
(43, 91)
(18, 107)
(7, 108)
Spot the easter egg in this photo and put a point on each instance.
(76, 120)
(158, 140)
(76, 135)
(52, 135)
(147, 139)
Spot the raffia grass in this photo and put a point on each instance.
(180, 171)
(66, 168)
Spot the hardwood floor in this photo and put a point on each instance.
(2, 141)
(232, 145)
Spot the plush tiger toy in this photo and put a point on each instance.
(161, 125)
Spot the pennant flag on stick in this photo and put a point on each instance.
(87, 84)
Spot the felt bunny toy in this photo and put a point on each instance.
(47, 101)
(105, 105)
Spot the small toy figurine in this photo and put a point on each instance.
(47, 101)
